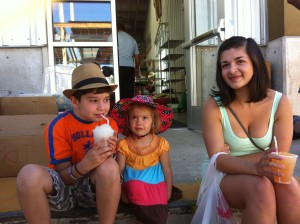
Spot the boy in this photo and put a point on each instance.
(81, 172)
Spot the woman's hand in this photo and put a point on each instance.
(226, 149)
(266, 165)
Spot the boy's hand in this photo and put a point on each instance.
(99, 153)
(102, 150)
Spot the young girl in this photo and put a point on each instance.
(143, 157)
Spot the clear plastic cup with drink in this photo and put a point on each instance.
(103, 131)
(289, 162)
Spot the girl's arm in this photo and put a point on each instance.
(121, 161)
(166, 166)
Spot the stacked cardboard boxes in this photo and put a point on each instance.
(22, 123)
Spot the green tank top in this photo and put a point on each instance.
(243, 146)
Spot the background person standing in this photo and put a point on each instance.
(129, 61)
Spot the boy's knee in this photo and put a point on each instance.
(29, 175)
(108, 169)
(25, 172)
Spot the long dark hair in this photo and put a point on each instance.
(259, 83)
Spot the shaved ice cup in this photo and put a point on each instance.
(289, 162)
(103, 131)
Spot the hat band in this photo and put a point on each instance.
(90, 81)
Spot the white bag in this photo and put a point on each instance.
(212, 206)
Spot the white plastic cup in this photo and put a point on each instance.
(103, 131)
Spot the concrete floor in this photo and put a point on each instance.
(187, 149)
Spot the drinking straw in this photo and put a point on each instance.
(276, 146)
(107, 121)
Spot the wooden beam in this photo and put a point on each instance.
(84, 25)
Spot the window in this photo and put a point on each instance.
(241, 17)
(80, 55)
(79, 32)
(81, 21)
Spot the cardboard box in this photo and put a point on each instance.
(22, 123)
(28, 105)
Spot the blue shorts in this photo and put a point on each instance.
(81, 194)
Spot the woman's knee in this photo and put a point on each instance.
(262, 190)
(288, 192)
(244, 190)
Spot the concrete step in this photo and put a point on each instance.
(178, 215)
(180, 211)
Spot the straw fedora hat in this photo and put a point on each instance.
(87, 76)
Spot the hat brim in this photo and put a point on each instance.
(69, 92)
(118, 113)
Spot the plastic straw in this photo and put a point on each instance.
(107, 121)
(276, 146)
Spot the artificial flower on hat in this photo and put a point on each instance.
(119, 113)
(87, 76)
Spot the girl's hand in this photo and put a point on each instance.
(112, 143)
(267, 166)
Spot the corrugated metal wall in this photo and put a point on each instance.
(23, 24)
(174, 16)
(23, 51)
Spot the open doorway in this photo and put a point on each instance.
(133, 13)
(169, 82)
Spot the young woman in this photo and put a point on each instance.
(247, 183)
(143, 157)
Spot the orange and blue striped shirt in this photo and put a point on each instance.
(69, 138)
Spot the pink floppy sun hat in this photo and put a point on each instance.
(118, 113)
